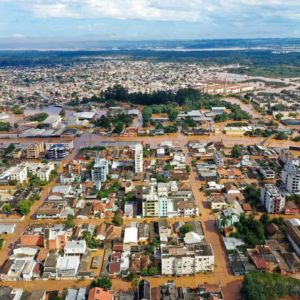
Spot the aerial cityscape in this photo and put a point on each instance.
(142, 158)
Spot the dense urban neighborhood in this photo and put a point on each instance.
(130, 180)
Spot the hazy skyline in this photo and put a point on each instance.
(79, 20)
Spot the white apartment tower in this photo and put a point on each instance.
(290, 176)
(100, 170)
(138, 158)
(272, 199)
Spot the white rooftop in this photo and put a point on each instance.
(131, 235)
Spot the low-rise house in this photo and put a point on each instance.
(139, 262)
(76, 294)
(187, 209)
(41, 170)
(228, 217)
(75, 247)
(131, 235)
(217, 202)
(67, 266)
(100, 294)
(7, 228)
(293, 234)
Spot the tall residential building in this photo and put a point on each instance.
(165, 207)
(218, 158)
(290, 176)
(272, 199)
(151, 204)
(57, 151)
(138, 159)
(100, 170)
(187, 260)
(33, 150)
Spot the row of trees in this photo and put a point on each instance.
(39, 117)
(116, 123)
(5, 126)
(23, 207)
(265, 285)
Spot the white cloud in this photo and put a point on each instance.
(56, 9)
(18, 36)
(161, 10)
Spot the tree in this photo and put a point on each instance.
(281, 136)
(236, 151)
(161, 178)
(252, 194)
(153, 271)
(119, 127)
(10, 149)
(17, 110)
(135, 282)
(5, 126)
(70, 221)
(7, 208)
(102, 282)
(279, 116)
(172, 113)
(186, 228)
(24, 206)
(144, 272)
(39, 117)
(223, 221)
(264, 219)
(266, 285)
(117, 220)
(12, 182)
(62, 113)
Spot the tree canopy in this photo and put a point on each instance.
(269, 286)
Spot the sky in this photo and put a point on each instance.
(80, 20)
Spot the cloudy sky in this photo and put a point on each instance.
(148, 19)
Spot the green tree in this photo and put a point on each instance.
(24, 206)
(102, 282)
(153, 271)
(172, 113)
(12, 182)
(17, 110)
(269, 286)
(119, 127)
(39, 117)
(186, 228)
(144, 272)
(5, 126)
(7, 208)
(252, 194)
(281, 136)
(236, 151)
(10, 149)
(279, 116)
(117, 220)
(62, 113)
(70, 221)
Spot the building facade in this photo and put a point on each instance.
(272, 199)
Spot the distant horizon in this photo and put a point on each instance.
(195, 44)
